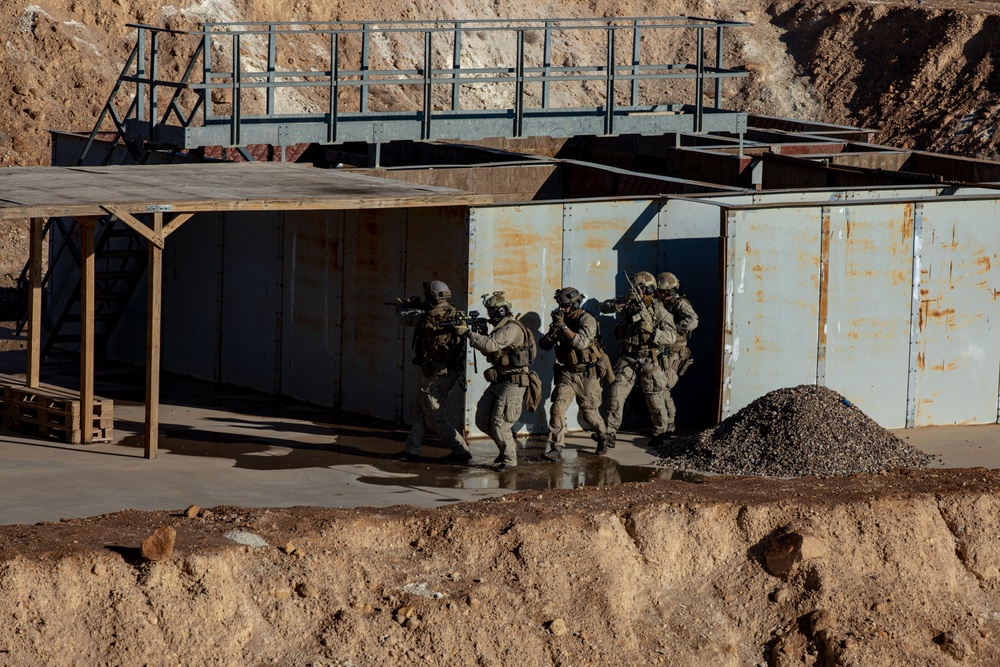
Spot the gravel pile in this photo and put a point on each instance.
(794, 432)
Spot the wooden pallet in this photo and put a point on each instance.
(52, 411)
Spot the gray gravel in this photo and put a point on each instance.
(794, 432)
(247, 539)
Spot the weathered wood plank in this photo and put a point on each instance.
(155, 289)
(190, 188)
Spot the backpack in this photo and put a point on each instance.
(533, 394)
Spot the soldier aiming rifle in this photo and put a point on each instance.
(439, 351)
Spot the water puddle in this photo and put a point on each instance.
(376, 453)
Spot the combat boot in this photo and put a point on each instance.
(609, 439)
(554, 454)
(602, 445)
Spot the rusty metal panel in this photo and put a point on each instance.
(602, 241)
(437, 248)
(311, 322)
(251, 300)
(864, 304)
(958, 353)
(192, 298)
(517, 249)
(772, 278)
(372, 340)
(690, 247)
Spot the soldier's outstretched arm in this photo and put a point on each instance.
(611, 306)
(498, 339)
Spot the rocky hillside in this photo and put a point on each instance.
(922, 72)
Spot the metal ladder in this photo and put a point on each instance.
(120, 259)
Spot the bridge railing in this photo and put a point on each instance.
(233, 84)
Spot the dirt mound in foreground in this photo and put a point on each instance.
(874, 570)
(794, 432)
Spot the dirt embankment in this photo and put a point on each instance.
(901, 568)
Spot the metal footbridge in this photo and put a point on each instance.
(284, 84)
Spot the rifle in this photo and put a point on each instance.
(475, 323)
(412, 302)
(635, 305)
(472, 320)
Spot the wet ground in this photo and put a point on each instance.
(223, 447)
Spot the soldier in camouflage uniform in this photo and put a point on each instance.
(578, 370)
(440, 354)
(509, 348)
(678, 355)
(644, 329)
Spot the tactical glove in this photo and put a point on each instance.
(646, 327)
(461, 330)
(558, 317)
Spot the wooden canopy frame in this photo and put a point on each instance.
(173, 194)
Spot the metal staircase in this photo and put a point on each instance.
(234, 85)
(120, 259)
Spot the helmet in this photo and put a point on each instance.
(437, 291)
(667, 282)
(497, 306)
(644, 282)
(568, 296)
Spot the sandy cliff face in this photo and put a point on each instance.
(886, 570)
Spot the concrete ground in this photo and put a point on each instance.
(223, 448)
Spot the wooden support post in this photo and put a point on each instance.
(86, 330)
(154, 285)
(32, 377)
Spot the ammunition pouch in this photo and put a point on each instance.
(684, 366)
(432, 368)
(569, 357)
(605, 368)
(518, 376)
(680, 359)
(591, 370)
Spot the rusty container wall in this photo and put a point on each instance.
(437, 248)
(372, 341)
(517, 249)
(312, 306)
(771, 310)
(864, 307)
(251, 301)
(958, 345)
(890, 302)
(690, 247)
(601, 242)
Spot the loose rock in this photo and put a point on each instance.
(557, 627)
(159, 545)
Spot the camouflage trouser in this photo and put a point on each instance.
(653, 383)
(428, 412)
(585, 387)
(496, 413)
(668, 400)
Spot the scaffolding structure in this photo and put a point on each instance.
(286, 84)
